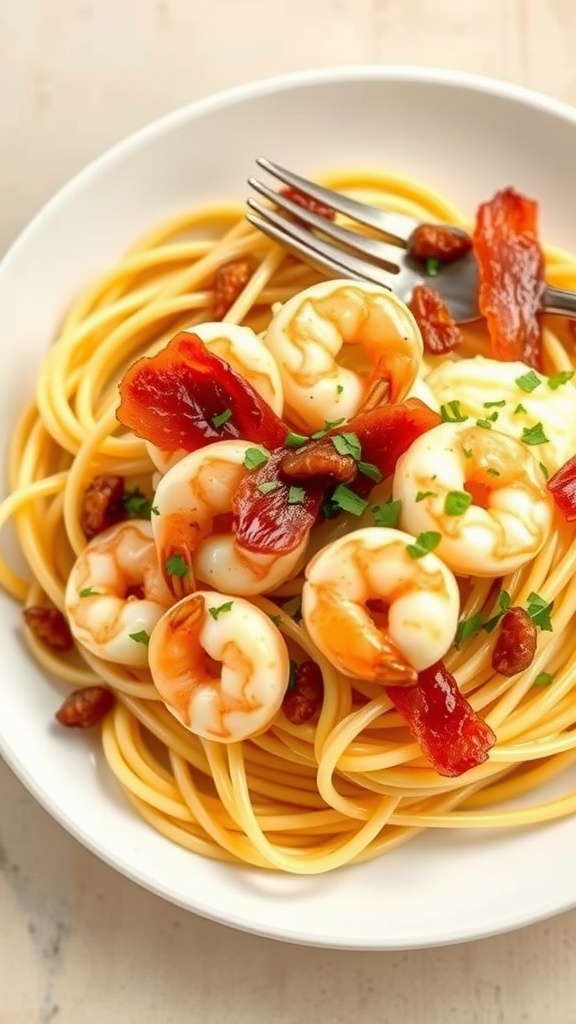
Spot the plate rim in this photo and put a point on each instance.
(168, 122)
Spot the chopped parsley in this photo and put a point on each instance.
(339, 389)
(276, 619)
(543, 679)
(219, 609)
(142, 637)
(486, 424)
(88, 592)
(543, 470)
(456, 502)
(329, 509)
(504, 602)
(328, 425)
(557, 379)
(137, 505)
(492, 472)
(293, 609)
(539, 611)
(155, 511)
(495, 405)
(528, 381)
(293, 440)
(467, 453)
(425, 494)
(534, 435)
(424, 543)
(347, 444)
(255, 457)
(348, 501)
(468, 628)
(268, 486)
(222, 417)
(519, 408)
(432, 266)
(371, 471)
(387, 514)
(452, 413)
(176, 566)
(296, 496)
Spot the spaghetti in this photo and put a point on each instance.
(353, 784)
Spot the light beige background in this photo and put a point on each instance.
(78, 943)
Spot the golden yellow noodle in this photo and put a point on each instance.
(306, 798)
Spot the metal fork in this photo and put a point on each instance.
(339, 252)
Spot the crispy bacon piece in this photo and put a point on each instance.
(302, 702)
(318, 458)
(562, 487)
(271, 521)
(308, 203)
(440, 332)
(515, 646)
(438, 242)
(451, 734)
(230, 281)
(102, 504)
(187, 397)
(85, 707)
(386, 432)
(49, 625)
(512, 283)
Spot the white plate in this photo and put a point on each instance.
(468, 137)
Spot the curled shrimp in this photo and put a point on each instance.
(245, 352)
(192, 528)
(483, 493)
(333, 341)
(220, 665)
(376, 612)
(516, 398)
(116, 593)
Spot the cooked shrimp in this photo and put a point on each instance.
(333, 340)
(231, 700)
(481, 491)
(489, 388)
(376, 612)
(116, 593)
(245, 352)
(193, 526)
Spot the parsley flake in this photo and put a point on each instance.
(339, 389)
(222, 417)
(88, 592)
(176, 566)
(371, 471)
(504, 602)
(142, 637)
(387, 514)
(539, 611)
(467, 453)
(348, 501)
(557, 379)
(276, 619)
(485, 424)
(425, 494)
(456, 502)
(268, 486)
(543, 470)
(424, 543)
(255, 457)
(296, 496)
(492, 472)
(347, 444)
(528, 381)
(534, 435)
(432, 266)
(519, 408)
(468, 628)
(451, 412)
(137, 505)
(293, 440)
(219, 609)
(495, 405)
(543, 679)
(293, 609)
(155, 511)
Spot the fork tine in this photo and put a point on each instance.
(317, 253)
(380, 251)
(395, 225)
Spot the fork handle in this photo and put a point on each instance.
(557, 300)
